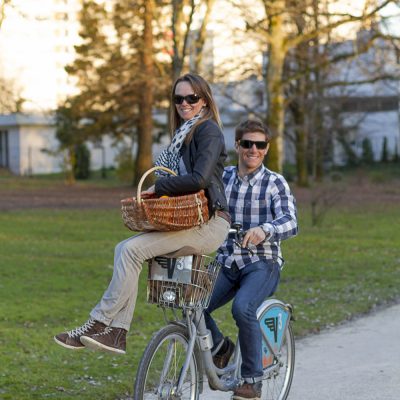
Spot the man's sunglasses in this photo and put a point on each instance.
(190, 99)
(248, 144)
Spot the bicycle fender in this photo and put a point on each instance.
(274, 317)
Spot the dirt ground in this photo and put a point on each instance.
(357, 192)
(63, 197)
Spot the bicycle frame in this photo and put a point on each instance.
(195, 324)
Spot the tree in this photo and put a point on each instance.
(11, 100)
(384, 154)
(120, 63)
(276, 30)
(367, 156)
(145, 125)
(115, 73)
(67, 133)
(3, 6)
(186, 40)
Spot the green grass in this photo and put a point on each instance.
(55, 265)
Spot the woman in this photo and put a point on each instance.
(196, 153)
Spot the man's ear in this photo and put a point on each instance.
(266, 149)
(237, 146)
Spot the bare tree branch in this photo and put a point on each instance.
(3, 5)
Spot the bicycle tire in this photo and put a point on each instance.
(276, 386)
(166, 351)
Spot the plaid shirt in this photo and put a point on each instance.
(260, 198)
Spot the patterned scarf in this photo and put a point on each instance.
(170, 157)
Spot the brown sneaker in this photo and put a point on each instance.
(112, 340)
(248, 391)
(223, 356)
(70, 339)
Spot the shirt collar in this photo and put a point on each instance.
(253, 177)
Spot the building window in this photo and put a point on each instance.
(4, 154)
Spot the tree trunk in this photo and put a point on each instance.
(274, 84)
(201, 38)
(301, 157)
(318, 169)
(70, 161)
(144, 158)
(178, 39)
(3, 11)
(301, 133)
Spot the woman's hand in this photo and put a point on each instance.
(147, 194)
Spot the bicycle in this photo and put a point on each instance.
(179, 354)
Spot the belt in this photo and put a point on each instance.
(224, 215)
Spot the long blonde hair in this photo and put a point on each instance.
(202, 89)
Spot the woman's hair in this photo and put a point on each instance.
(202, 89)
(252, 125)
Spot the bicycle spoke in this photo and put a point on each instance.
(162, 366)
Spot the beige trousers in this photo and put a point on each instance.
(118, 302)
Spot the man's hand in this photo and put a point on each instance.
(254, 236)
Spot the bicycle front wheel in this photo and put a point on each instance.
(161, 365)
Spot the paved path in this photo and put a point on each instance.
(357, 361)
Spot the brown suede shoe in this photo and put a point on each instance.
(248, 391)
(70, 339)
(222, 358)
(111, 340)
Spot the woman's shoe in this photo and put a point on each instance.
(111, 340)
(71, 339)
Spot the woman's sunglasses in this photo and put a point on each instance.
(190, 99)
(248, 144)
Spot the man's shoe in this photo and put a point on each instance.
(70, 339)
(248, 391)
(223, 356)
(111, 340)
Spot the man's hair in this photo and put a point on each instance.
(252, 125)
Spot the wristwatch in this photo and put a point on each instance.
(266, 231)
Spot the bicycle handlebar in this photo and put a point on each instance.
(236, 228)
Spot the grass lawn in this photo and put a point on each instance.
(55, 265)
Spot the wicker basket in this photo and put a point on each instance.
(175, 293)
(166, 213)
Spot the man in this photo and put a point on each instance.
(261, 201)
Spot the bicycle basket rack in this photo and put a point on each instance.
(184, 282)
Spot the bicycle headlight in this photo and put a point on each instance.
(169, 296)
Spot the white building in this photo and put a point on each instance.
(28, 146)
(370, 110)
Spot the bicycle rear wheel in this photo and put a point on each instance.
(276, 385)
(161, 364)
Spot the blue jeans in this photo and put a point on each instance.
(248, 287)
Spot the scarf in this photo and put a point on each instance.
(170, 157)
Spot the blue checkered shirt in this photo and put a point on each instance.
(261, 198)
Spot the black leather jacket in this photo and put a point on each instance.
(203, 158)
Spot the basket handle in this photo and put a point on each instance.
(139, 189)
